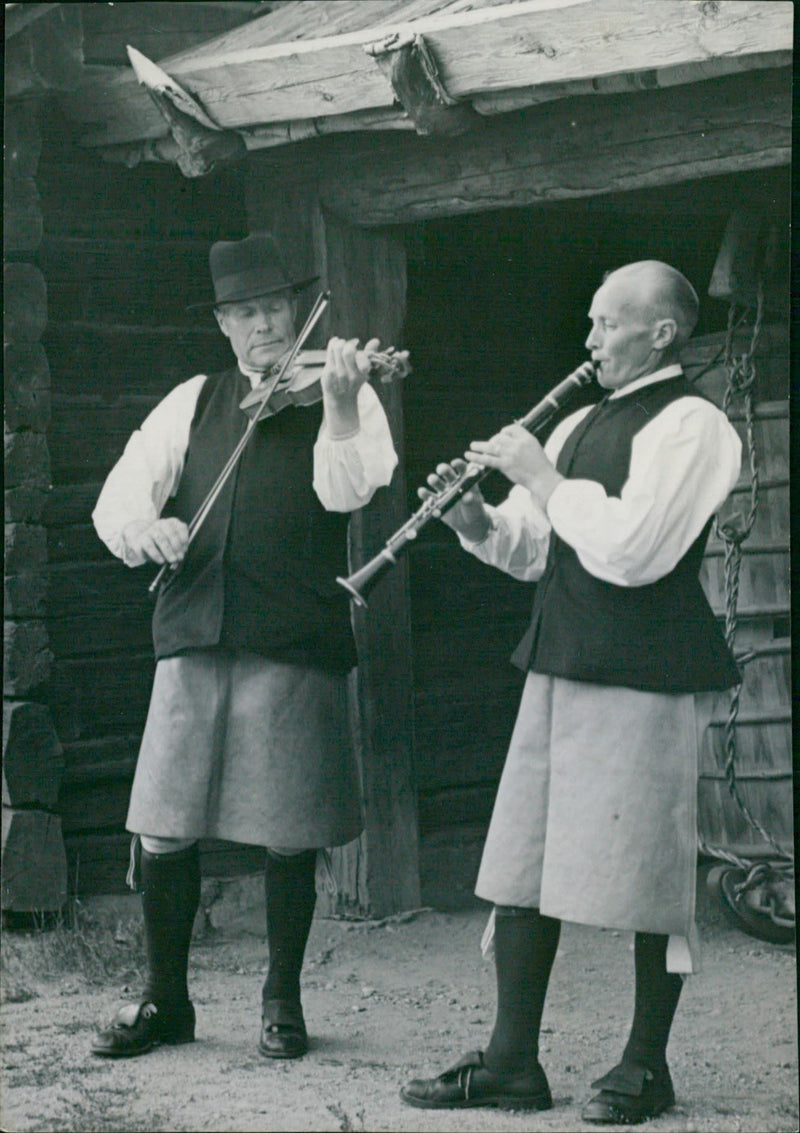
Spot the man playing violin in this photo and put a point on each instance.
(247, 734)
(595, 816)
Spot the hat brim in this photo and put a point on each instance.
(295, 287)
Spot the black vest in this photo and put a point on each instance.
(261, 573)
(660, 637)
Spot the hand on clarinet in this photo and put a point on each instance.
(164, 541)
(520, 457)
(469, 516)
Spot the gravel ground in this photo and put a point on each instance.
(388, 1001)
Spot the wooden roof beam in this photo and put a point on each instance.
(479, 51)
(578, 147)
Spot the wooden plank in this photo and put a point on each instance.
(721, 822)
(485, 49)
(32, 755)
(93, 698)
(34, 877)
(571, 149)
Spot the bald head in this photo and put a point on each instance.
(641, 315)
(659, 291)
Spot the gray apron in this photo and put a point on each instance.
(595, 819)
(249, 750)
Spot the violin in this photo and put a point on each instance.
(301, 385)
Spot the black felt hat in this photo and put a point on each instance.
(246, 269)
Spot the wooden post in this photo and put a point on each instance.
(365, 271)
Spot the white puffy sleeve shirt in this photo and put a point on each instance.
(683, 466)
(347, 470)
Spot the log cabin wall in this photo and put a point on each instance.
(123, 253)
(34, 864)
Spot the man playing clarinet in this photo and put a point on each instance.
(247, 734)
(595, 816)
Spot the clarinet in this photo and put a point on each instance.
(361, 581)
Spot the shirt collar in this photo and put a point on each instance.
(255, 377)
(673, 371)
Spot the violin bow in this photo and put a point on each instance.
(199, 518)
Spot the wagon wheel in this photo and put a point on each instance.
(759, 901)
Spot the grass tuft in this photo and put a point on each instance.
(91, 947)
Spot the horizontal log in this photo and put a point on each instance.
(656, 78)
(578, 148)
(70, 504)
(26, 461)
(144, 282)
(98, 862)
(90, 634)
(81, 196)
(90, 358)
(95, 698)
(95, 806)
(25, 300)
(108, 588)
(26, 387)
(24, 504)
(76, 544)
(88, 434)
(241, 81)
(33, 759)
(26, 657)
(34, 876)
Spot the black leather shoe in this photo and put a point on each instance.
(138, 1027)
(283, 1030)
(469, 1083)
(629, 1094)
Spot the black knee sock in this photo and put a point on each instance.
(525, 945)
(170, 888)
(657, 994)
(291, 896)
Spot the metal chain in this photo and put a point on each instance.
(741, 373)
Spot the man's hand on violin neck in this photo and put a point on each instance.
(165, 541)
(347, 367)
(346, 370)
